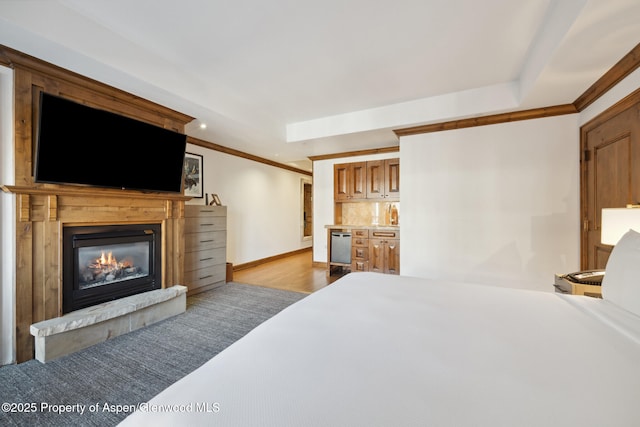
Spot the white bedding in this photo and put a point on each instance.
(381, 350)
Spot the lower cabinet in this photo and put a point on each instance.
(375, 250)
(205, 257)
(359, 250)
(384, 256)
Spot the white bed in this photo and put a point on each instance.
(381, 350)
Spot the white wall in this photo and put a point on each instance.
(263, 205)
(7, 221)
(492, 204)
(323, 198)
(489, 204)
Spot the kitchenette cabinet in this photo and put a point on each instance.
(371, 180)
(350, 181)
(383, 179)
(384, 252)
(359, 250)
(371, 221)
(373, 248)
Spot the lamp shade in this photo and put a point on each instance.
(616, 222)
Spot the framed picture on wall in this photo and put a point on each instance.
(193, 184)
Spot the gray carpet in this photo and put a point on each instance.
(135, 367)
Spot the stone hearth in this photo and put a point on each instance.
(83, 328)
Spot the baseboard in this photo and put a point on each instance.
(269, 259)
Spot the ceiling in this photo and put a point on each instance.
(288, 79)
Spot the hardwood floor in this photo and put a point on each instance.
(293, 273)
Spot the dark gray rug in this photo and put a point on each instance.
(135, 367)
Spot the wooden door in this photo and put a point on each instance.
(392, 178)
(384, 256)
(307, 210)
(610, 174)
(392, 257)
(349, 181)
(341, 181)
(358, 180)
(376, 255)
(383, 179)
(375, 179)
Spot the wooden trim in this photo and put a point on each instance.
(19, 60)
(624, 104)
(269, 259)
(238, 153)
(629, 63)
(393, 149)
(535, 113)
(90, 192)
(43, 210)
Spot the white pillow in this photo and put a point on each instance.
(621, 282)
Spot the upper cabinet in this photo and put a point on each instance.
(372, 180)
(349, 181)
(383, 179)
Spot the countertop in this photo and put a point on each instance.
(347, 227)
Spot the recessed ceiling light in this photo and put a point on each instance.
(203, 125)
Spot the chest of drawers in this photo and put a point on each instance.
(205, 247)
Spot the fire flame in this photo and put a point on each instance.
(106, 269)
(109, 262)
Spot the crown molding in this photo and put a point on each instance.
(393, 149)
(242, 154)
(629, 63)
(493, 119)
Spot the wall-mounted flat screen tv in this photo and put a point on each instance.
(77, 144)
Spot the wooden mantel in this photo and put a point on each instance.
(91, 191)
(43, 210)
(40, 221)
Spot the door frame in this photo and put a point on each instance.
(303, 182)
(625, 103)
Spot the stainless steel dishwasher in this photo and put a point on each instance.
(341, 247)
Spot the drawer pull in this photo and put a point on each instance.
(206, 277)
(206, 259)
(205, 225)
(384, 234)
(207, 241)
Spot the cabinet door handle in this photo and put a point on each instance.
(384, 234)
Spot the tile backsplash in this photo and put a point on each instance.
(369, 213)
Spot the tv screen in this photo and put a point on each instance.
(77, 144)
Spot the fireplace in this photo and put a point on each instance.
(104, 263)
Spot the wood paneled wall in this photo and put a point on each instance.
(42, 210)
